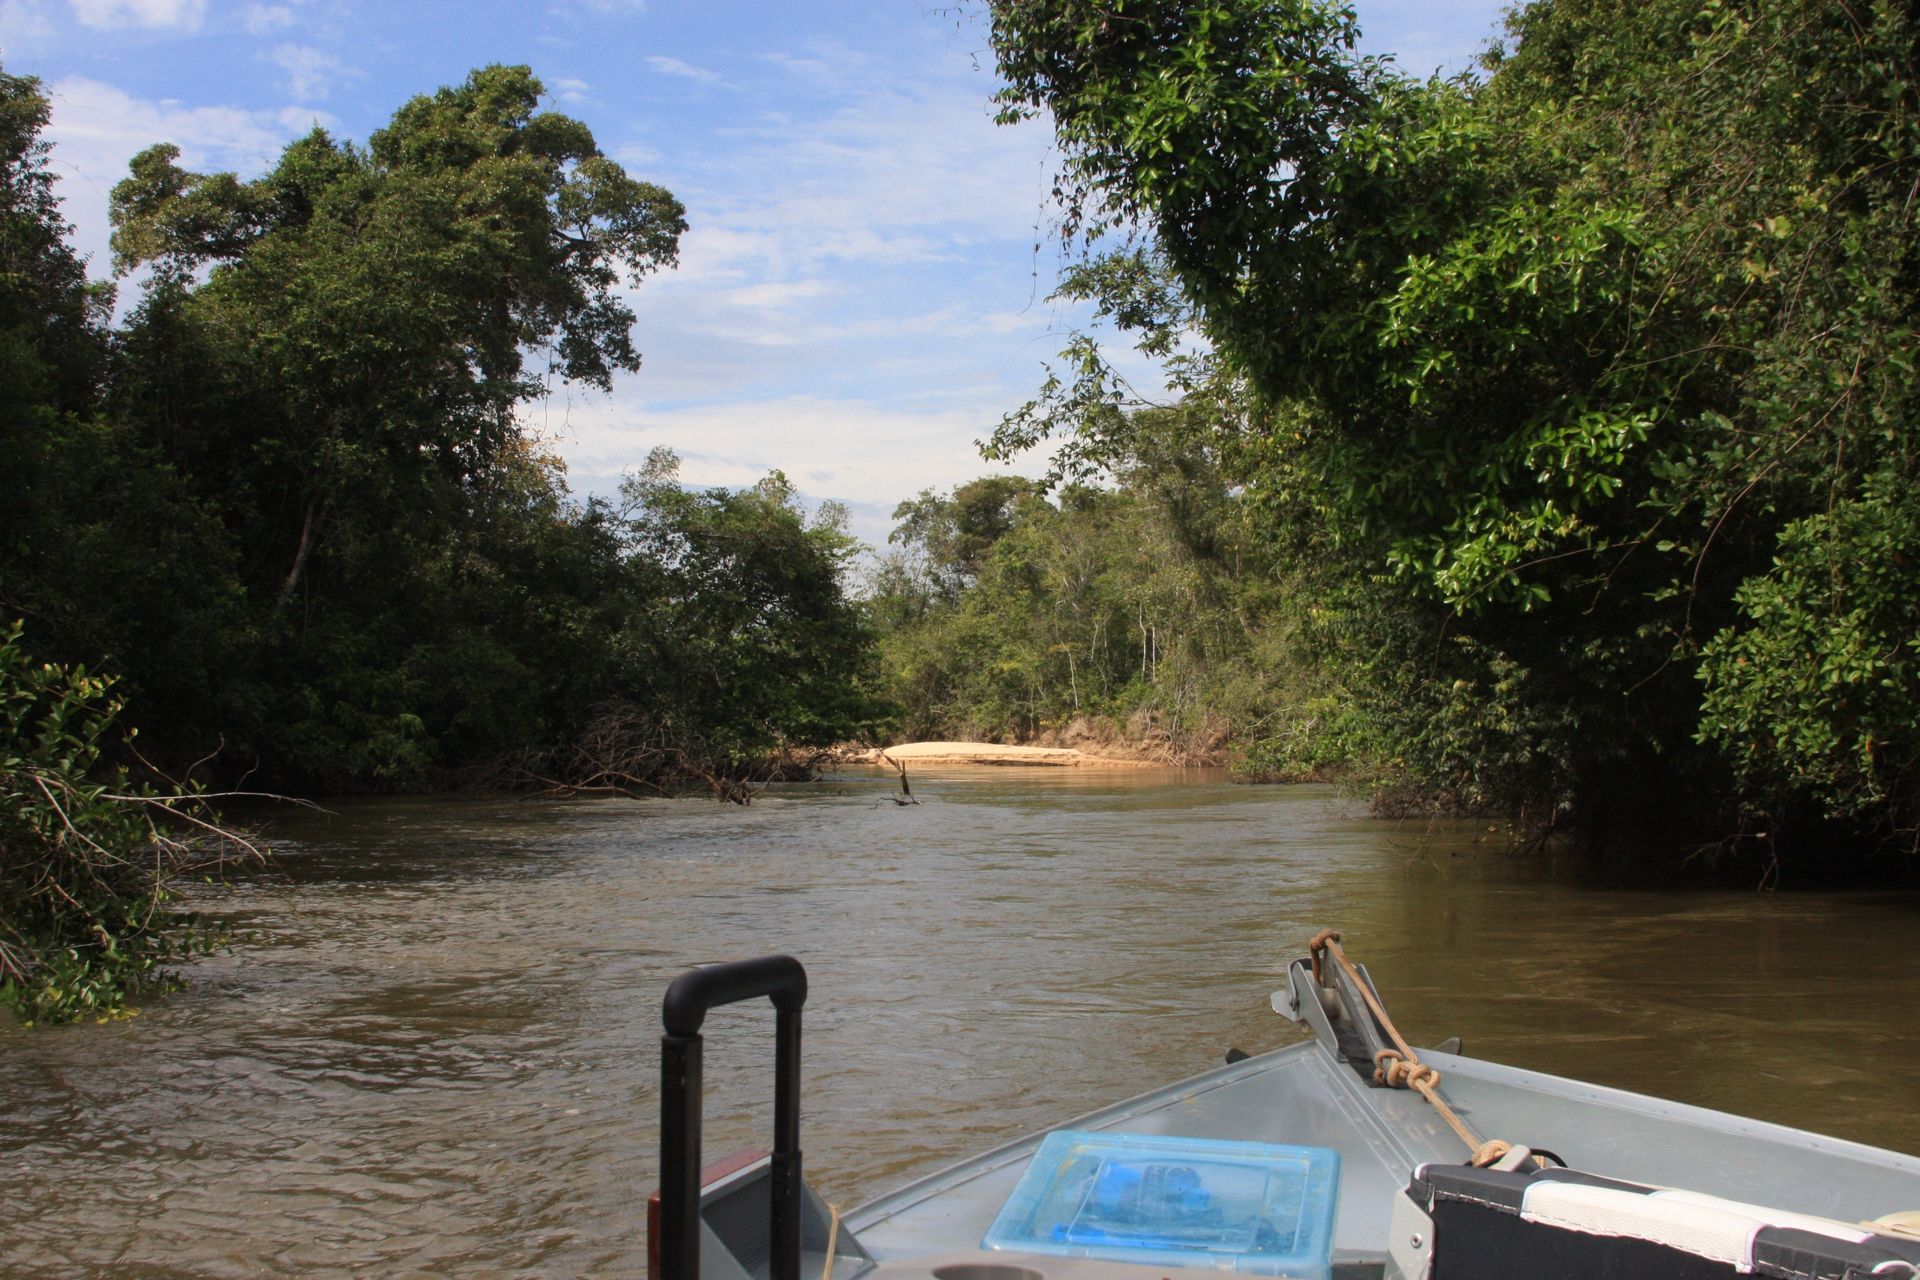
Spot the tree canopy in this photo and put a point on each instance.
(389, 296)
(1601, 355)
(291, 503)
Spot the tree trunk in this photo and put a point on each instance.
(299, 556)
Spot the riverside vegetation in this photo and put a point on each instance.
(1543, 443)
(1585, 382)
(287, 506)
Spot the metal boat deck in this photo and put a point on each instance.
(1306, 1094)
(1319, 1093)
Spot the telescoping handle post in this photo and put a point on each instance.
(783, 980)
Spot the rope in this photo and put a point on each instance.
(1400, 1067)
(1906, 1223)
(833, 1241)
(1316, 948)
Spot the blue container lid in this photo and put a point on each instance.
(1254, 1207)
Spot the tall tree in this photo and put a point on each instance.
(332, 356)
(953, 535)
(52, 340)
(52, 335)
(744, 638)
(384, 301)
(82, 487)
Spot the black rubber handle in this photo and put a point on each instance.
(782, 980)
(697, 991)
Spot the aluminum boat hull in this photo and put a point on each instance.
(1308, 1094)
(1324, 1093)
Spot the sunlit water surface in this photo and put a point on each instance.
(435, 1053)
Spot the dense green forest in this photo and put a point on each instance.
(284, 516)
(1585, 380)
(1541, 441)
(288, 501)
(1149, 614)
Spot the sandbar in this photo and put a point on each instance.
(992, 753)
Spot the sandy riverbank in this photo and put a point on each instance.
(991, 753)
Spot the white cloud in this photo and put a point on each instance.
(110, 15)
(827, 317)
(1006, 321)
(779, 296)
(830, 70)
(637, 158)
(896, 175)
(96, 129)
(23, 22)
(265, 19)
(685, 70)
(570, 90)
(311, 72)
(865, 453)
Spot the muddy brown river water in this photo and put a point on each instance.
(435, 1053)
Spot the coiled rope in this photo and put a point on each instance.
(1400, 1067)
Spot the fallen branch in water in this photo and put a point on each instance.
(629, 752)
(906, 792)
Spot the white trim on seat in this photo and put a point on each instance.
(1704, 1230)
(1832, 1229)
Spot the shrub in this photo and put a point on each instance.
(87, 855)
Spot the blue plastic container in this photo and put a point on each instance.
(1253, 1207)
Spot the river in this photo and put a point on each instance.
(434, 1052)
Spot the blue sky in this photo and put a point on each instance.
(859, 297)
